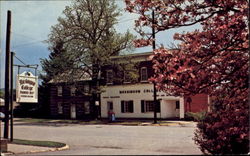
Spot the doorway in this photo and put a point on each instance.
(73, 111)
(109, 105)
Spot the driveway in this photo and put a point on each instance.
(113, 139)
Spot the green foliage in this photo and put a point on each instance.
(199, 116)
(126, 71)
(55, 65)
(1, 94)
(88, 36)
(38, 143)
(57, 61)
(27, 110)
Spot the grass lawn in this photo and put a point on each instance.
(117, 122)
(38, 143)
(66, 121)
(32, 120)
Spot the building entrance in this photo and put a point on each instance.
(73, 111)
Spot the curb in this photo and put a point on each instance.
(62, 148)
(38, 151)
(157, 124)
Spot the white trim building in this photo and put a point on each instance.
(127, 92)
(136, 101)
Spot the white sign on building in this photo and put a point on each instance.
(26, 88)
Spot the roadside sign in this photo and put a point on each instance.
(27, 88)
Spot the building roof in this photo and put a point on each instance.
(134, 56)
(80, 75)
(70, 76)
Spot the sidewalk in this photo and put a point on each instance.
(14, 149)
(150, 123)
(24, 149)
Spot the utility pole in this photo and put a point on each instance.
(153, 44)
(7, 76)
(11, 95)
(95, 94)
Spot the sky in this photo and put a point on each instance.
(31, 22)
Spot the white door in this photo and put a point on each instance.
(73, 111)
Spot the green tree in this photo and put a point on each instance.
(56, 61)
(89, 39)
(52, 67)
(87, 31)
(1, 94)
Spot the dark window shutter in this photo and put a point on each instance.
(158, 106)
(111, 105)
(177, 103)
(142, 106)
(131, 106)
(122, 106)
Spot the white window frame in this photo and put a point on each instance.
(144, 74)
(86, 106)
(149, 105)
(109, 79)
(59, 108)
(59, 90)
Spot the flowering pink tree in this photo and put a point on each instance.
(212, 60)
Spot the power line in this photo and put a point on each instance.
(30, 43)
(19, 60)
(23, 35)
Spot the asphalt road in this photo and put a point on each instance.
(113, 139)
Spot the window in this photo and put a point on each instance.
(127, 106)
(59, 108)
(72, 91)
(109, 76)
(86, 88)
(86, 107)
(144, 74)
(59, 91)
(177, 105)
(148, 106)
